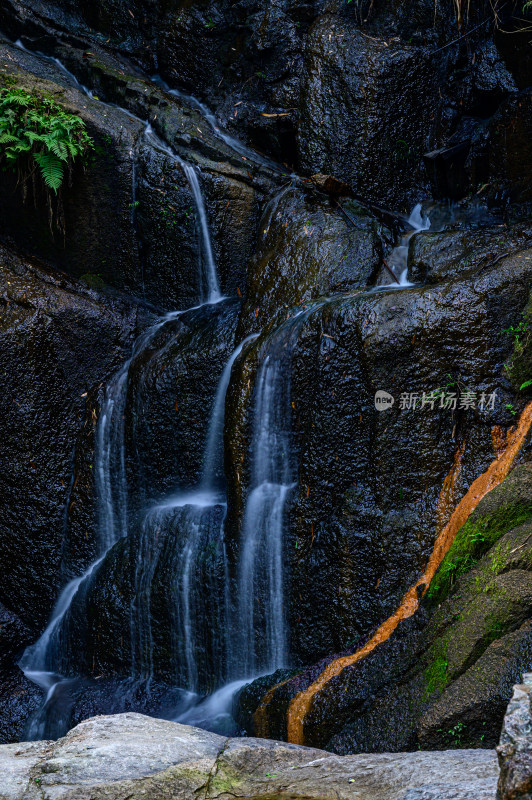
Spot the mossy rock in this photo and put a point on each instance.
(504, 508)
(519, 366)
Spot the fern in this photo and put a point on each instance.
(52, 169)
(35, 130)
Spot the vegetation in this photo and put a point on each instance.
(519, 366)
(37, 134)
(473, 540)
(436, 675)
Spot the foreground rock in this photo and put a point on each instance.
(133, 756)
(515, 749)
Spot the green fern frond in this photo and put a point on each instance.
(32, 125)
(51, 169)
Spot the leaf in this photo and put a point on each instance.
(525, 385)
(51, 169)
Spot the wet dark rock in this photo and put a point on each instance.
(129, 218)
(360, 532)
(367, 110)
(308, 248)
(171, 391)
(127, 622)
(434, 257)
(19, 699)
(514, 750)
(511, 149)
(118, 623)
(14, 636)
(77, 699)
(93, 233)
(443, 680)
(59, 339)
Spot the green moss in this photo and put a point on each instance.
(94, 281)
(519, 366)
(436, 675)
(472, 541)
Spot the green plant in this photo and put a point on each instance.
(472, 541)
(436, 677)
(35, 132)
(519, 366)
(456, 733)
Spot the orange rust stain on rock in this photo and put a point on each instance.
(260, 717)
(494, 475)
(447, 500)
(498, 439)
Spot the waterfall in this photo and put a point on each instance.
(39, 660)
(209, 278)
(398, 258)
(222, 633)
(246, 153)
(259, 627)
(211, 290)
(175, 531)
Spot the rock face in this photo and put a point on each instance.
(133, 756)
(386, 103)
(515, 748)
(362, 91)
(443, 680)
(60, 339)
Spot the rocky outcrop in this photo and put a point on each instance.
(133, 756)
(127, 218)
(515, 748)
(59, 339)
(443, 680)
(307, 248)
(363, 90)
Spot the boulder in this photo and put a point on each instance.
(130, 755)
(58, 339)
(436, 256)
(19, 699)
(367, 111)
(14, 636)
(360, 532)
(307, 248)
(515, 748)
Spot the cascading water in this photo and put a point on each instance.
(398, 258)
(223, 631)
(40, 660)
(211, 290)
(259, 627)
(245, 152)
(179, 530)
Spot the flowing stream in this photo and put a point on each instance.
(398, 258)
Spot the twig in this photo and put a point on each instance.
(467, 33)
(390, 270)
(353, 223)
